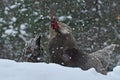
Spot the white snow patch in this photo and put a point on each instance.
(78, 0)
(11, 70)
(13, 6)
(41, 16)
(84, 11)
(6, 12)
(22, 0)
(14, 19)
(100, 13)
(23, 32)
(23, 9)
(22, 26)
(22, 29)
(37, 2)
(96, 19)
(10, 32)
(73, 29)
(1, 19)
(93, 9)
(35, 13)
(114, 4)
(6, 8)
(105, 44)
(10, 26)
(100, 2)
(69, 17)
(63, 18)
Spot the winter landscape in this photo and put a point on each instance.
(59, 39)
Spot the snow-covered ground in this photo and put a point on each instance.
(11, 70)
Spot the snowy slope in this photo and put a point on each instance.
(11, 70)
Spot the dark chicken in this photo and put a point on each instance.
(33, 51)
(64, 50)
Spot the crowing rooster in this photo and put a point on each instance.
(63, 49)
(61, 39)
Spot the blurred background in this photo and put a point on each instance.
(95, 23)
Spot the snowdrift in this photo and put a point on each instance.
(11, 70)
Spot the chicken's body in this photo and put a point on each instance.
(104, 55)
(63, 50)
(60, 42)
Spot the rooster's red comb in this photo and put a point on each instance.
(54, 24)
